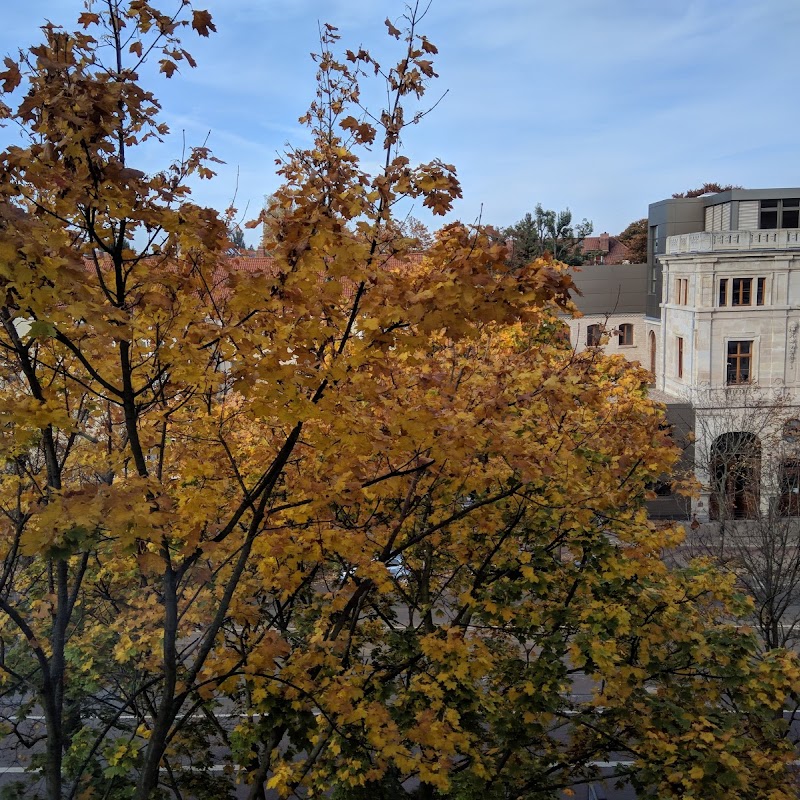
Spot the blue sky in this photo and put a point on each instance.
(600, 105)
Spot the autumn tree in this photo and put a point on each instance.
(355, 521)
(634, 237)
(546, 231)
(706, 188)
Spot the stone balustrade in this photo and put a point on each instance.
(714, 241)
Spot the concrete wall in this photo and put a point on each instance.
(611, 288)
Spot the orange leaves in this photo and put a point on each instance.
(363, 132)
(364, 494)
(427, 46)
(201, 22)
(395, 32)
(10, 76)
(87, 18)
(167, 66)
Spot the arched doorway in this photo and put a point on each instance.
(735, 475)
(651, 340)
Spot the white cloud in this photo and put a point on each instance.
(602, 105)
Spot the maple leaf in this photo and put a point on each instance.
(168, 67)
(201, 22)
(87, 18)
(391, 28)
(11, 76)
(427, 46)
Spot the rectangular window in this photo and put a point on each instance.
(790, 213)
(768, 215)
(742, 288)
(779, 213)
(739, 364)
(681, 292)
(593, 335)
(789, 502)
(626, 335)
(741, 293)
(679, 339)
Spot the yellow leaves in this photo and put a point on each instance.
(413, 508)
(696, 773)
(281, 778)
(125, 649)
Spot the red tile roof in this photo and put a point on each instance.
(605, 249)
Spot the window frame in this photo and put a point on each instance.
(738, 293)
(789, 488)
(625, 337)
(773, 214)
(681, 292)
(594, 334)
(739, 360)
(742, 291)
(679, 344)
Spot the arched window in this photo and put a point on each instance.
(735, 475)
(593, 335)
(626, 334)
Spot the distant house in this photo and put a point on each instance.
(604, 249)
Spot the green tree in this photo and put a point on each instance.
(634, 237)
(547, 231)
(237, 238)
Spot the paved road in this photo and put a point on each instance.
(14, 762)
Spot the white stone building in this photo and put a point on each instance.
(715, 316)
(725, 341)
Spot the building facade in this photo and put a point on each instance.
(717, 322)
(727, 269)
